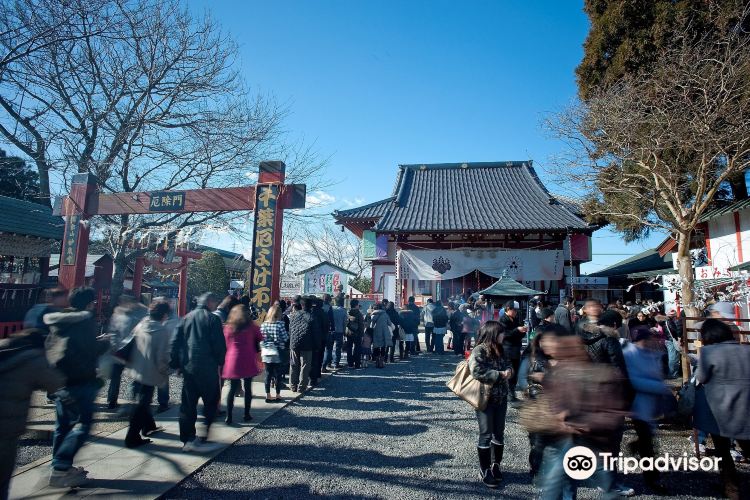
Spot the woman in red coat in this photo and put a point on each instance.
(241, 362)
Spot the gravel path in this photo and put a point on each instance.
(391, 433)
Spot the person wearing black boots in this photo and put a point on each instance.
(489, 365)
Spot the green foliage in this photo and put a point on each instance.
(628, 36)
(361, 283)
(17, 180)
(208, 274)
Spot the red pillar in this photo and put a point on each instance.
(182, 293)
(138, 277)
(81, 203)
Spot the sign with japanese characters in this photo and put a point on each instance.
(166, 201)
(71, 240)
(714, 272)
(290, 286)
(587, 282)
(266, 198)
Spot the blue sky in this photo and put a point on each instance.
(377, 83)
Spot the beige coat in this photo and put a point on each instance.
(149, 361)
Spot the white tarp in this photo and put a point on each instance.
(521, 265)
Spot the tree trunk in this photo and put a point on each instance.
(685, 270)
(687, 295)
(44, 193)
(118, 277)
(120, 261)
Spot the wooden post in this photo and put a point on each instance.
(182, 291)
(79, 205)
(138, 277)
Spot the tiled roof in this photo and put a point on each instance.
(726, 209)
(650, 260)
(370, 211)
(29, 219)
(470, 197)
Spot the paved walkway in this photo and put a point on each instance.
(147, 472)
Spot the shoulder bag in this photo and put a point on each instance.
(466, 387)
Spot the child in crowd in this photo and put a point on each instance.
(366, 349)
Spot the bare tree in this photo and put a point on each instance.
(326, 242)
(27, 26)
(655, 151)
(146, 97)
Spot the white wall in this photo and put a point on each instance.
(378, 271)
(723, 242)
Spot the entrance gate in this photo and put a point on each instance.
(268, 199)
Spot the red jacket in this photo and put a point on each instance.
(241, 360)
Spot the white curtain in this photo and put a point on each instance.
(521, 265)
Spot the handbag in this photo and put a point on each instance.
(269, 351)
(536, 415)
(125, 351)
(466, 387)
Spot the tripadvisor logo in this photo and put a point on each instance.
(580, 463)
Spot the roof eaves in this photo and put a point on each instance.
(325, 262)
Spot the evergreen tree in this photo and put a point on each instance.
(209, 274)
(17, 180)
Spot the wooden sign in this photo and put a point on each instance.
(263, 247)
(166, 201)
(71, 240)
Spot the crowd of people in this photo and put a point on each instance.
(575, 374)
(584, 371)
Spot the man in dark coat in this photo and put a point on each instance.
(393, 315)
(409, 322)
(514, 333)
(562, 313)
(23, 369)
(455, 324)
(303, 339)
(323, 316)
(412, 306)
(355, 328)
(73, 348)
(198, 349)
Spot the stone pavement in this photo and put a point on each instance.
(147, 472)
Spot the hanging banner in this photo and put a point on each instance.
(263, 240)
(71, 240)
(325, 282)
(521, 265)
(374, 246)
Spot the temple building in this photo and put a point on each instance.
(453, 228)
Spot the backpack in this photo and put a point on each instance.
(440, 317)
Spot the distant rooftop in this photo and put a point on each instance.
(29, 219)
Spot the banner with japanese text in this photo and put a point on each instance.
(266, 198)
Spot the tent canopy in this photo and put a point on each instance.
(508, 287)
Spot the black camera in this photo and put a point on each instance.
(580, 462)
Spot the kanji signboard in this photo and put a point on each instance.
(166, 201)
(263, 246)
(71, 240)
